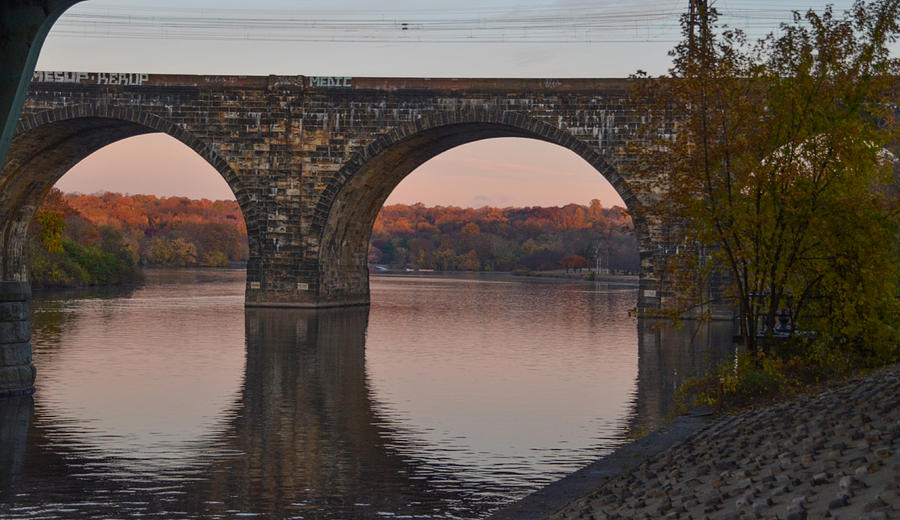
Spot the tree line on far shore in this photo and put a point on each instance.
(79, 240)
(505, 239)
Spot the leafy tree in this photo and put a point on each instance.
(471, 228)
(374, 255)
(170, 252)
(56, 260)
(574, 262)
(216, 229)
(775, 172)
(470, 262)
(50, 229)
(214, 259)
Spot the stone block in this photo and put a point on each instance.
(14, 311)
(14, 291)
(15, 332)
(17, 380)
(12, 354)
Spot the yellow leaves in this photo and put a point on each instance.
(777, 164)
(471, 228)
(50, 230)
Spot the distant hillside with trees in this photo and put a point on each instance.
(170, 231)
(504, 239)
(79, 240)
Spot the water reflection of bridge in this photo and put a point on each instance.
(667, 356)
(305, 425)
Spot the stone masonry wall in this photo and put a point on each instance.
(310, 159)
(17, 373)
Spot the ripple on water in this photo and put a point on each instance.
(448, 398)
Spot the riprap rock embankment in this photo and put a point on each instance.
(834, 455)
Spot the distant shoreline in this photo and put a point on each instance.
(544, 276)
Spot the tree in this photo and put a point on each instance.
(775, 173)
(574, 262)
(471, 228)
(176, 253)
(374, 255)
(50, 226)
(470, 262)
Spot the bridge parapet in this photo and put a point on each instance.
(387, 84)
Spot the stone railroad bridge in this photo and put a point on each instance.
(310, 160)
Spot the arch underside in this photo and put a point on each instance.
(47, 146)
(343, 268)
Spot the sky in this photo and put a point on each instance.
(461, 38)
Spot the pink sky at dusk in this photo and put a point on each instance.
(492, 172)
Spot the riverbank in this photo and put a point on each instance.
(548, 276)
(830, 455)
(585, 275)
(70, 265)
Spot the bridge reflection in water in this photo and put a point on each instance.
(307, 421)
(667, 357)
(304, 438)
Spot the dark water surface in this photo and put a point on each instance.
(446, 399)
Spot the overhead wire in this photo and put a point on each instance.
(577, 23)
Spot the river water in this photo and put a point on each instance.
(447, 398)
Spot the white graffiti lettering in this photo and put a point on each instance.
(102, 78)
(329, 81)
(121, 79)
(61, 77)
(220, 79)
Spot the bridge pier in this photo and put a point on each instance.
(16, 369)
(299, 299)
(306, 288)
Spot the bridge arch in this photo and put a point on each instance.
(367, 178)
(49, 143)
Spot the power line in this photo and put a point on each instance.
(580, 23)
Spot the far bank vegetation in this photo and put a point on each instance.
(535, 238)
(82, 240)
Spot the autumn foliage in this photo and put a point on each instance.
(172, 231)
(774, 160)
(180, 232)
(449, 238)
(74, 234)
(58, 260)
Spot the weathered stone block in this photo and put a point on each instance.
(14, 291)
(15, 332)
(17, 380)
(15, 354)
(14, 311)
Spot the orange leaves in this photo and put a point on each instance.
(410, 219)
(147, 212)
(502, 239)
(199, 231)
